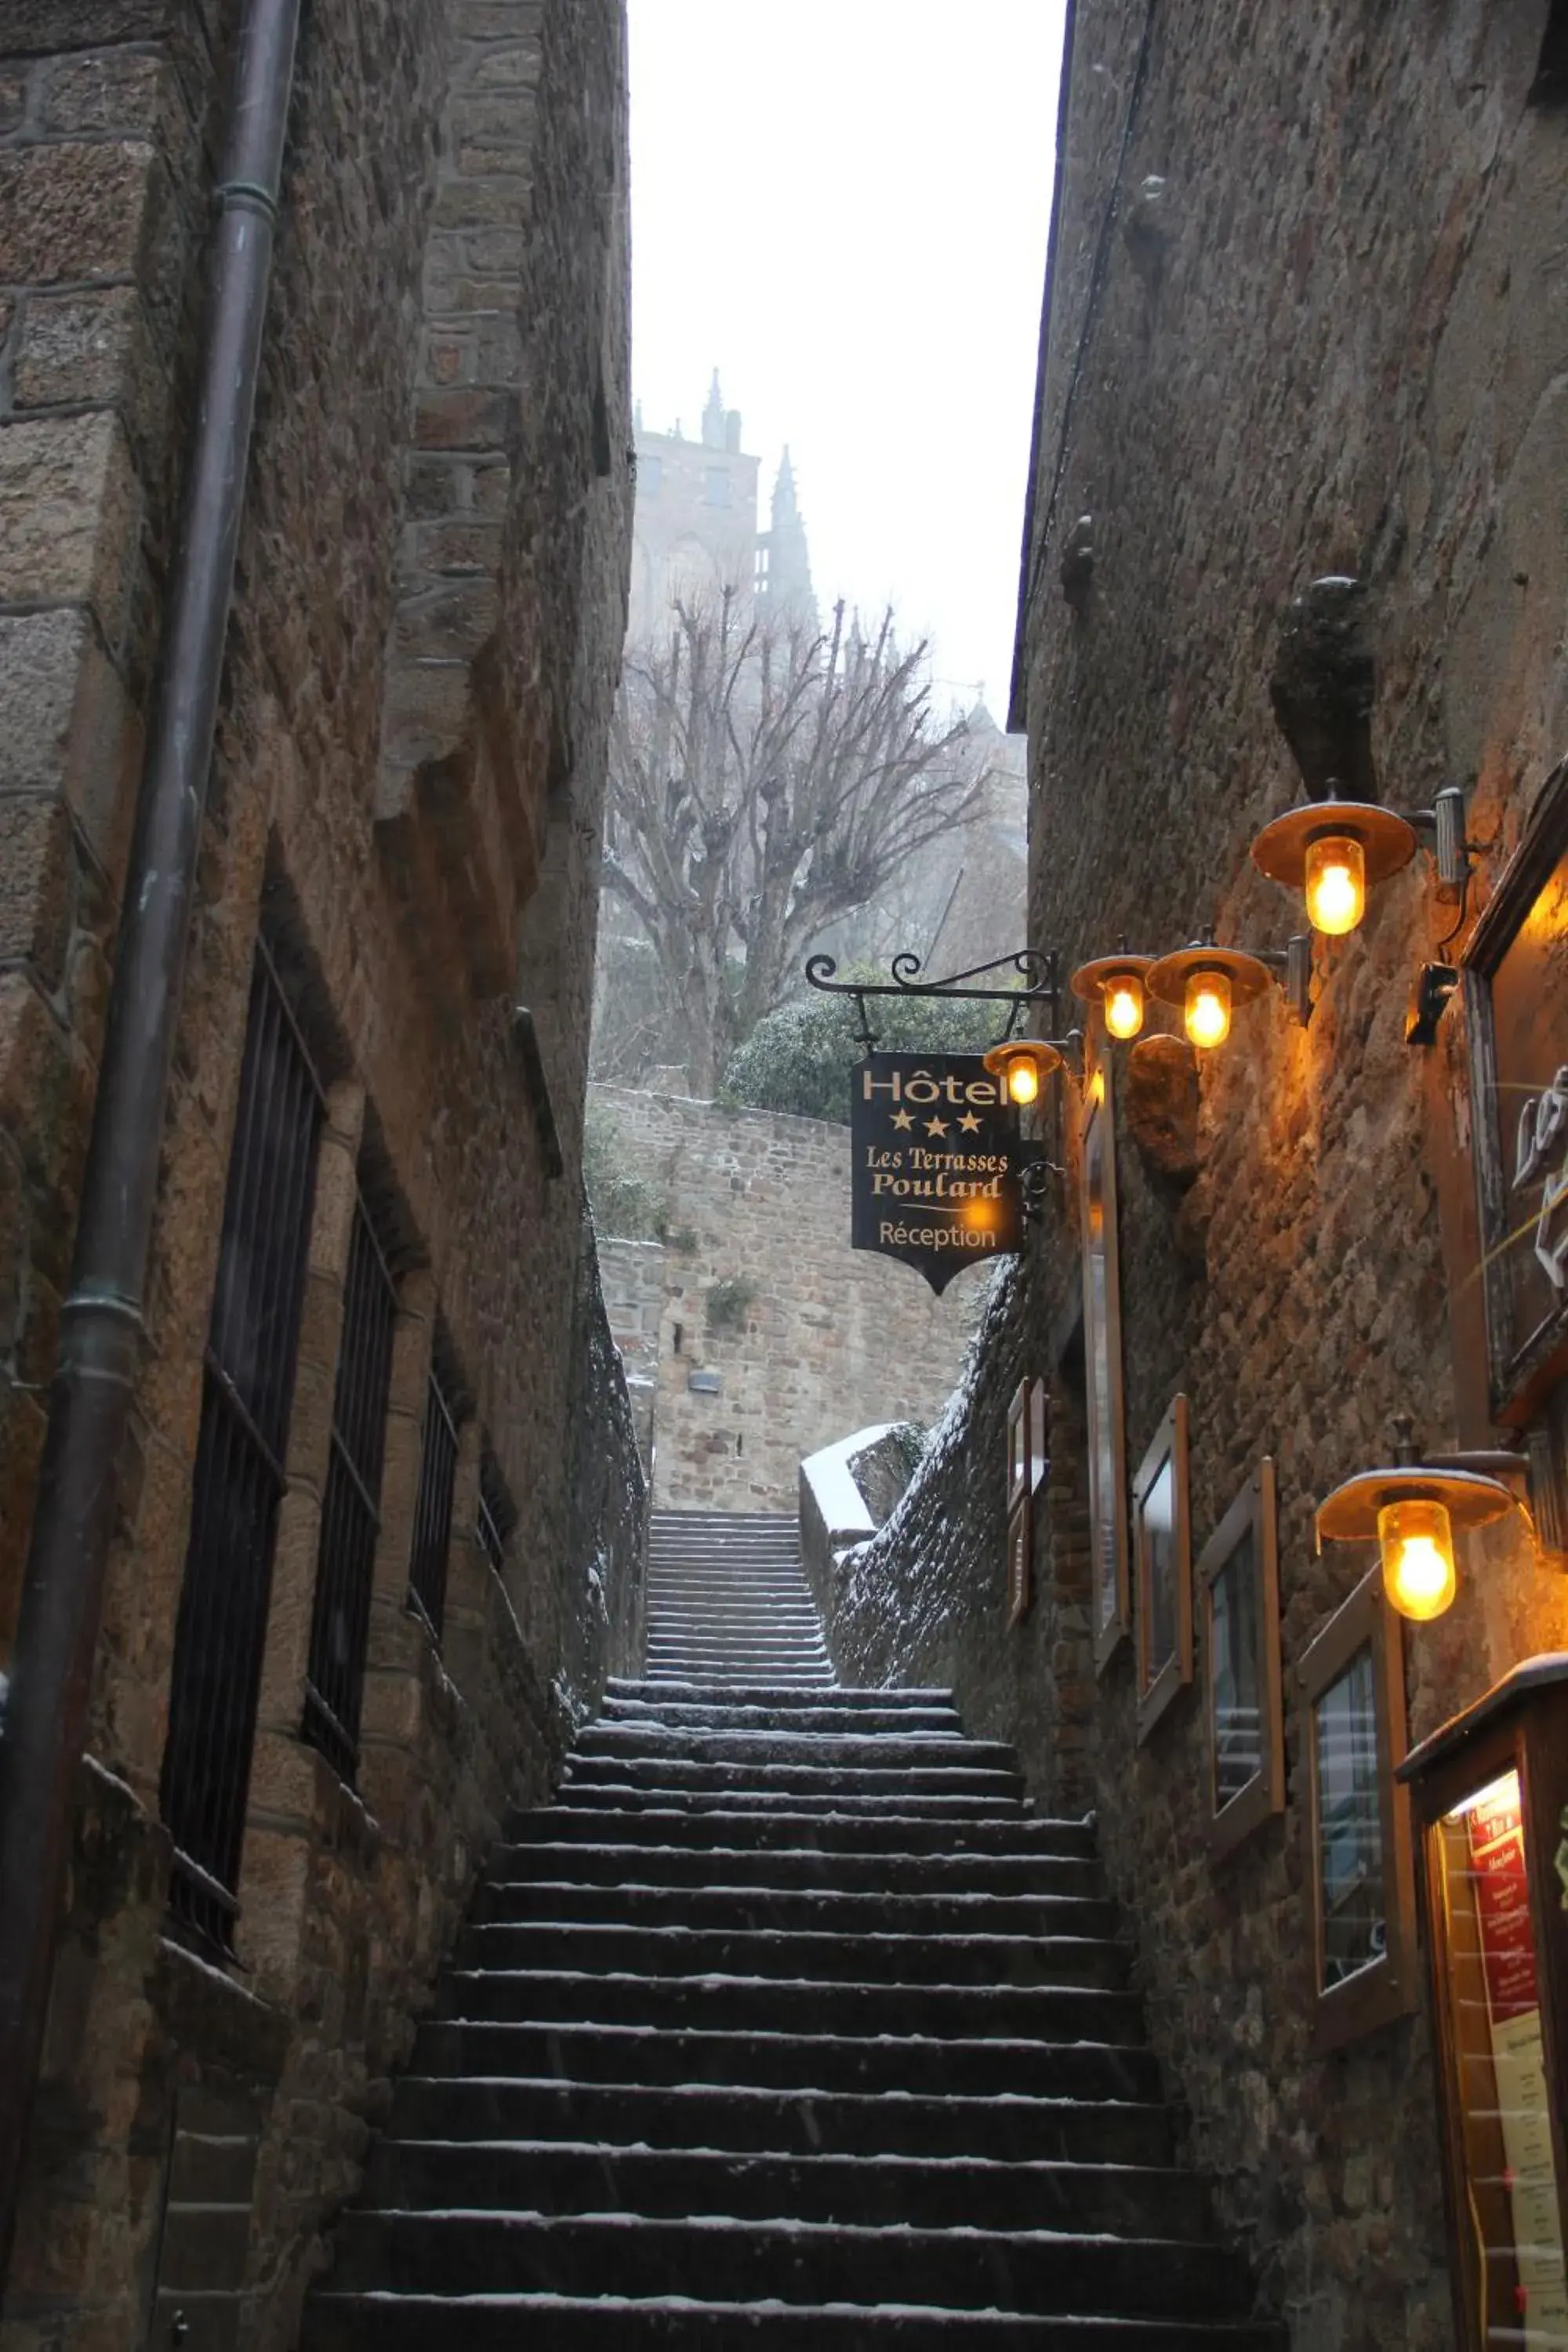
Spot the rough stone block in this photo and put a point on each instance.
(69, 509)
(117, 89)
(448, 623)
(72, 210)
(66, 726)
(13, 100)
(40, 27)
(453, 547)
(462, 418)
(429, 710)
(89, 350)
(34, 884)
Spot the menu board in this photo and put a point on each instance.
(1494, 1831)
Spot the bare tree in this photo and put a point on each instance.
(765, 779)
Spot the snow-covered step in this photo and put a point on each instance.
(828, 1827)
(756, 2004)
(784, 2259)
(890, 2190)
(784, 1910)
(1092, 2103)
(686, 2323)
(1038, 1873)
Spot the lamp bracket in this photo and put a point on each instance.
(1037, 972)
(1435, 983)
(1443, 827)
(1292, 964)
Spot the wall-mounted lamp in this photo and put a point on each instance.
(1334, 851)
(1209, 982)
(1413, 1509)
(1022, 1066)
(1119, 985)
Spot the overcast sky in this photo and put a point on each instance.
(842, 205)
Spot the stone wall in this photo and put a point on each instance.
(824, 1339)
(468, 1121)
(1331, 343)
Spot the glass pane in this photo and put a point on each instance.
(1349, 1826)
(1497, 2077)
(1238, 1686)
(1157, 1522)
(1103, 1498)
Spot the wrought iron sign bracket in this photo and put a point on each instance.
(1037, 969)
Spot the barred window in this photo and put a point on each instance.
(247, 1396)
(432, 1511)
(350, 1506)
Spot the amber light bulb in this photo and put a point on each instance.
(1335, 882)
(1124, 1003)
(1416, 1539)
(1207, 1011)
(1023, 1082)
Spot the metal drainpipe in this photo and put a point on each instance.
(101, 1343)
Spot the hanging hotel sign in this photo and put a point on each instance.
(937, 1164)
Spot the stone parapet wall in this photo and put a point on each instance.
(826, 1339)
(923, 1600)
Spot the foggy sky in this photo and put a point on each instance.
(843, 205)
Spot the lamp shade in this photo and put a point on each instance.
(1334, 852)
(1119, 985)
(1411, 1512)
(1022, 1066)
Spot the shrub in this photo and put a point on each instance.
(729, 1302)
(626, 1206)
(799, 1058)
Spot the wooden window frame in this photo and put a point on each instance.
(1520, 1366)
(1160, 1686)
(1389, 1987)
(1107, 1514)
(1254, 1512)
(1028, 1460)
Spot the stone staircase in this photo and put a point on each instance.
(727, 1600)
(787, 2028)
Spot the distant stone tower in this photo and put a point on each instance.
(783, 559)
(695, 533)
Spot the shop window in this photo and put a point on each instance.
(351, 1504)
(1239, 1582)
(433, 1509)
(1163, 1570)
(248, 1394)
(1490, 1792)
(1360, 1882)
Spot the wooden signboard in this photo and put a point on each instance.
(936, 1163)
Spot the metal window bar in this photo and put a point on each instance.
(247, 1397)
(433, 1511)
(494, 1516)
(350, 1506)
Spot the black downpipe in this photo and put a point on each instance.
(102, 1326)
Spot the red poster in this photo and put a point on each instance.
(1502, 1900)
